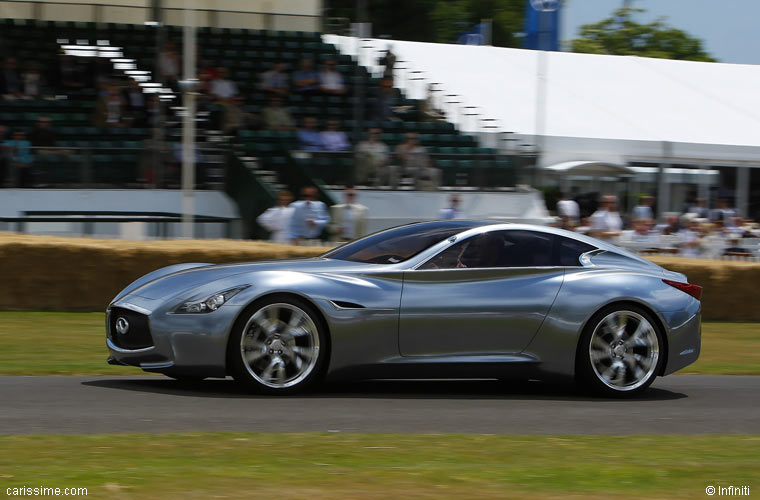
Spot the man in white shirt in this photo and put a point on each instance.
(223, 88)
(644, 209)
(606, 222)
(309, 216)
(569, 211)
(349, 219)
(330, 81)
(276, 219)
(452, 211)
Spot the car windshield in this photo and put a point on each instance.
(399, 244)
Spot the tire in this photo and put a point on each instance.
(279, 345)
(620, 352)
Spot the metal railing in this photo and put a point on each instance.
(98, 167)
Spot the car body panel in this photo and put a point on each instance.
(488, 311)
(396, 320)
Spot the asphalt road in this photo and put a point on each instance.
(680, 404)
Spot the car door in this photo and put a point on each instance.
(486, 294)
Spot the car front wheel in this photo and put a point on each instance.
(279, 347)
(620, 352)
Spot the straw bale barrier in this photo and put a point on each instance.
(83, 274)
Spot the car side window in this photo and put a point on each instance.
(570, 251)
(510, 248)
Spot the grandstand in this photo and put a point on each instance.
(254, 163)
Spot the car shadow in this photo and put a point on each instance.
(383, 389)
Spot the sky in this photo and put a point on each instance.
(728, 28)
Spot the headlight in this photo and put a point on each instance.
(209, 304)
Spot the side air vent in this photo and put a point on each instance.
(342, 304)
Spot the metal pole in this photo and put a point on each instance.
(188, 125)
(663, 188)
(742, 191)
(158, 112)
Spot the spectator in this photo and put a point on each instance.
(641, 236)
(31, 80)
(452, 211)
(309, 138)
(699, 209)
(109, 110)
(385, 105)
(388, 61)
(136, 104)
(689, 245)
(221, 87)
(170, 65)
(276, 116)
(670, 227)
(306, 78)
(428, 110)
(334, 139)
(568, 211)
(10, 81)
(275, 81)
(276, 219)
(19, 159)
(234, 117)
(735, 248)
(372, 166)
(349, 219)
(606, 222)
(330, 81)
(309, 216)
(723, 213)
(43, 136)
(415, 163)
(644, 209)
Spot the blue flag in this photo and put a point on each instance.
(475, 36)
(542, 25)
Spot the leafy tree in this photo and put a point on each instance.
(621, 35)
(437, 20)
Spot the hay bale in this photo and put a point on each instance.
(84, 274)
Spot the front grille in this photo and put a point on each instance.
(136, 335)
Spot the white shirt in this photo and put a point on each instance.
(569, 209)
(276, 220)
(224, 88)
(604, 220)
(349, 214)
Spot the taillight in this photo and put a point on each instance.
(693, 290)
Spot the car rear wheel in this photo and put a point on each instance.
(620, 352)
(279, 346)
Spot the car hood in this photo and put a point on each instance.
(188, 279)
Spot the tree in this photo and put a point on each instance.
(435, 20)
(621, 35)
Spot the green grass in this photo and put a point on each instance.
(49, 343)
(380, 466)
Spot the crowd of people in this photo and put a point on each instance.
(696, 232)
(306, 219)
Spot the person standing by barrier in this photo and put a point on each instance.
(606, 222)
(276, 219)
(452, 211)
(349, 219)
(309, 216)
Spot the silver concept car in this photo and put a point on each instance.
(447, 299)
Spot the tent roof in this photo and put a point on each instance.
(599, 96)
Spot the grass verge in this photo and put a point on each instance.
(51, 343)
(380, 466)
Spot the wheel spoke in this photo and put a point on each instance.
(269, 370)
(296, 317)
